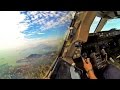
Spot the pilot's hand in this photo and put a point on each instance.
(89, 69)
(87, 64)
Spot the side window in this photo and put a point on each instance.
(30, 42)
(94, 24)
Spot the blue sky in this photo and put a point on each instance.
(25, 28)
(111, 23)
(44, 24)
(20, 29)
(35, 32)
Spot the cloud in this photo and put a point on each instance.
(13, 23)
(48, 19)
(40, 33)
(10, 29)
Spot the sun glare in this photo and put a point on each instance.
(10, 29)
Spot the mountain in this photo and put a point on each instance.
(41, 49)
(41, 53)
(34, 56)
(39, 58)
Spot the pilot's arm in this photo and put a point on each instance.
(89, 69)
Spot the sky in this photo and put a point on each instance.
(21, 28)
(47, 23)
(25, 28)
(111, 23)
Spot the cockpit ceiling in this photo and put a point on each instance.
(108, 14)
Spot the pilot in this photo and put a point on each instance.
(111, 72)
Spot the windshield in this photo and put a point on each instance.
(94, 24)
(112, 24)
(30, 41)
